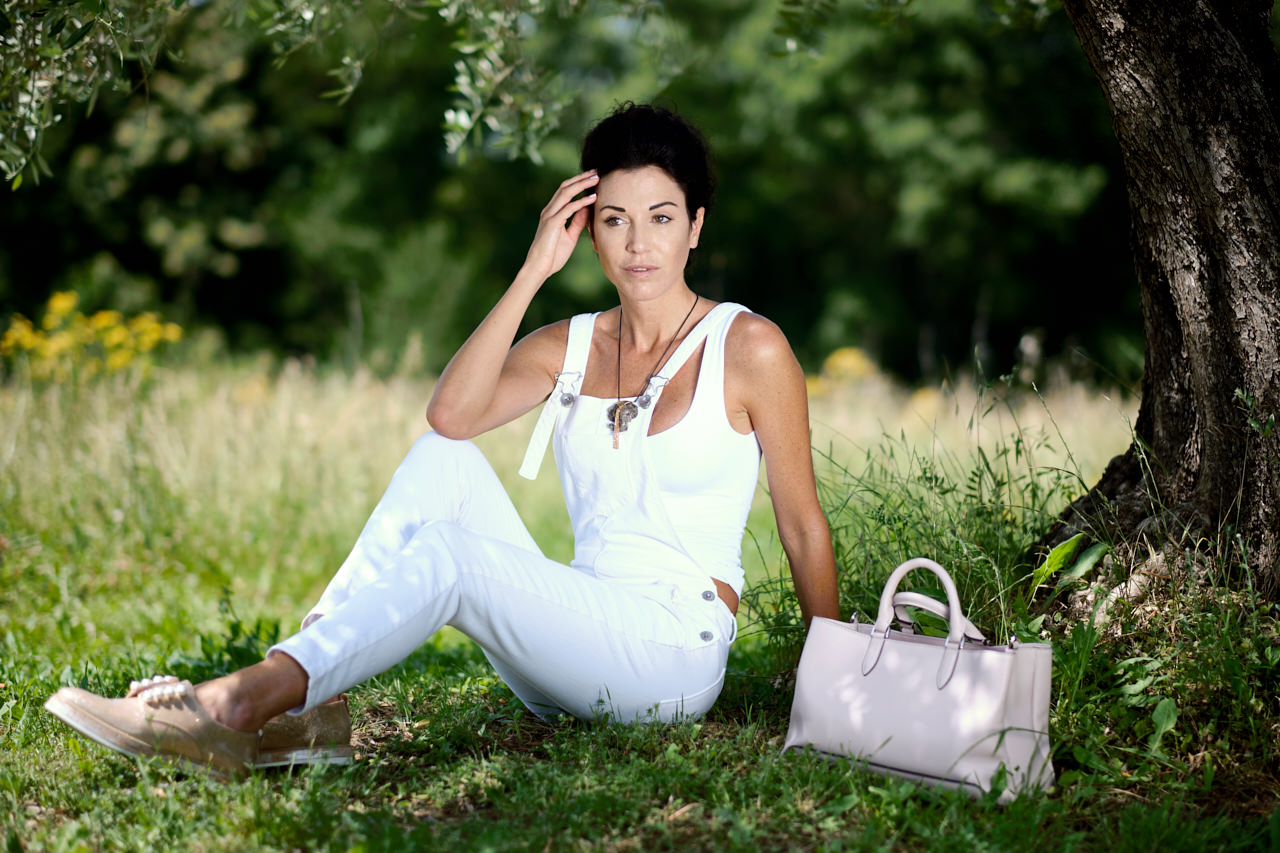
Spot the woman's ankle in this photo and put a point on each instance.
(245, 699)
(219, 699)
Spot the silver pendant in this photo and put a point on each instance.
(621, 414)
(644, 400)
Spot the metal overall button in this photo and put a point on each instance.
(706, 636)
(708, 595)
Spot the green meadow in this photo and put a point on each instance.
(179, 516)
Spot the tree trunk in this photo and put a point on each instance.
(1194, 92)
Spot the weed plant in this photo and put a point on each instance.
(974, 507)
(174, 522)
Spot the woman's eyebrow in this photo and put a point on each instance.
(624, 210)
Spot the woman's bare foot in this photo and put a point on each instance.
(244, 700)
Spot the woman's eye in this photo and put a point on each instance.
(613, 220)
(662, 218)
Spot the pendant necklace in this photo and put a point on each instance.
(621, 413)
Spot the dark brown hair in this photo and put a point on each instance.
(637, 135)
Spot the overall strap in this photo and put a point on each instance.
(719, 316)
(564, 395)
(710, 390)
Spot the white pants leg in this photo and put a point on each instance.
(445, 546)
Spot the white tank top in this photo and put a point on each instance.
(670, 507)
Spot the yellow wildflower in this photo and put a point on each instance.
(146, 330)
(116, 336)
(119, 359)
(148, 338)
(143, 321)
(926, 404)
(63, 303)
(56, 344)
(816, 386)
(105, 320)
(81, 330)
(848, 363)
(76, 347)
(20, 335)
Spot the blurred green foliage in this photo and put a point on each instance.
(914, 178)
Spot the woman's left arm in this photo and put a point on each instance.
(765, 389)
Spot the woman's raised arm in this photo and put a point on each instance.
(769, 386)
(489, 382)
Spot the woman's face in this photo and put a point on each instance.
(641, 231)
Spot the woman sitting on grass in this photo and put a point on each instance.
(659, 411)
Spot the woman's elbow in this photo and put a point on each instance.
(446, 420)
(804, 531)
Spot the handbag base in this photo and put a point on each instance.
(973, 789)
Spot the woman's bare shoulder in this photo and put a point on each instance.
(756, 342)
(544, 341)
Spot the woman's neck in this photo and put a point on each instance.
(650, 325)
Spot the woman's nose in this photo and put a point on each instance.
(637, 238)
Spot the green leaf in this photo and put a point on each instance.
(17, 182)
(1164, 716)
(1083, 564)
(1056, 560)
(78, 36)
(842, 805)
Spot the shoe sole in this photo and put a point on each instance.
(337, 756)
(125, 744)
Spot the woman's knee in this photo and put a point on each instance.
(434, 450)
(432, 441)
(438, 540)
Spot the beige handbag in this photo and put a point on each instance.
(948, 711)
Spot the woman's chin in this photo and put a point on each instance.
(645, 288)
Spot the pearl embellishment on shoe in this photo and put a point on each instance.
(135, 686)
(158, 688)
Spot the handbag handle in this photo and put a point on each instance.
(955, 631)
(905, 599)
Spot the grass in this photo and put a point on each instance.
(174, 522)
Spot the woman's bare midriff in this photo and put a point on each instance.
(727, 595)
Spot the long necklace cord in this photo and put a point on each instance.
(622, 413)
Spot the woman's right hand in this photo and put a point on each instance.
(560, 226)
(488, 381)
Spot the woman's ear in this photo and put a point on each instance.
(695, 230)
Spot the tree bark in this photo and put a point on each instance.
(1194, 92)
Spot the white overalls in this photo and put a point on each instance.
(631, 631)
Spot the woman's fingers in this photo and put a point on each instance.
(562, 223)
(576, 206)
(576, 223)
(564, 201)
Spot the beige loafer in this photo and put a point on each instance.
(158, 717)
(319, 736)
